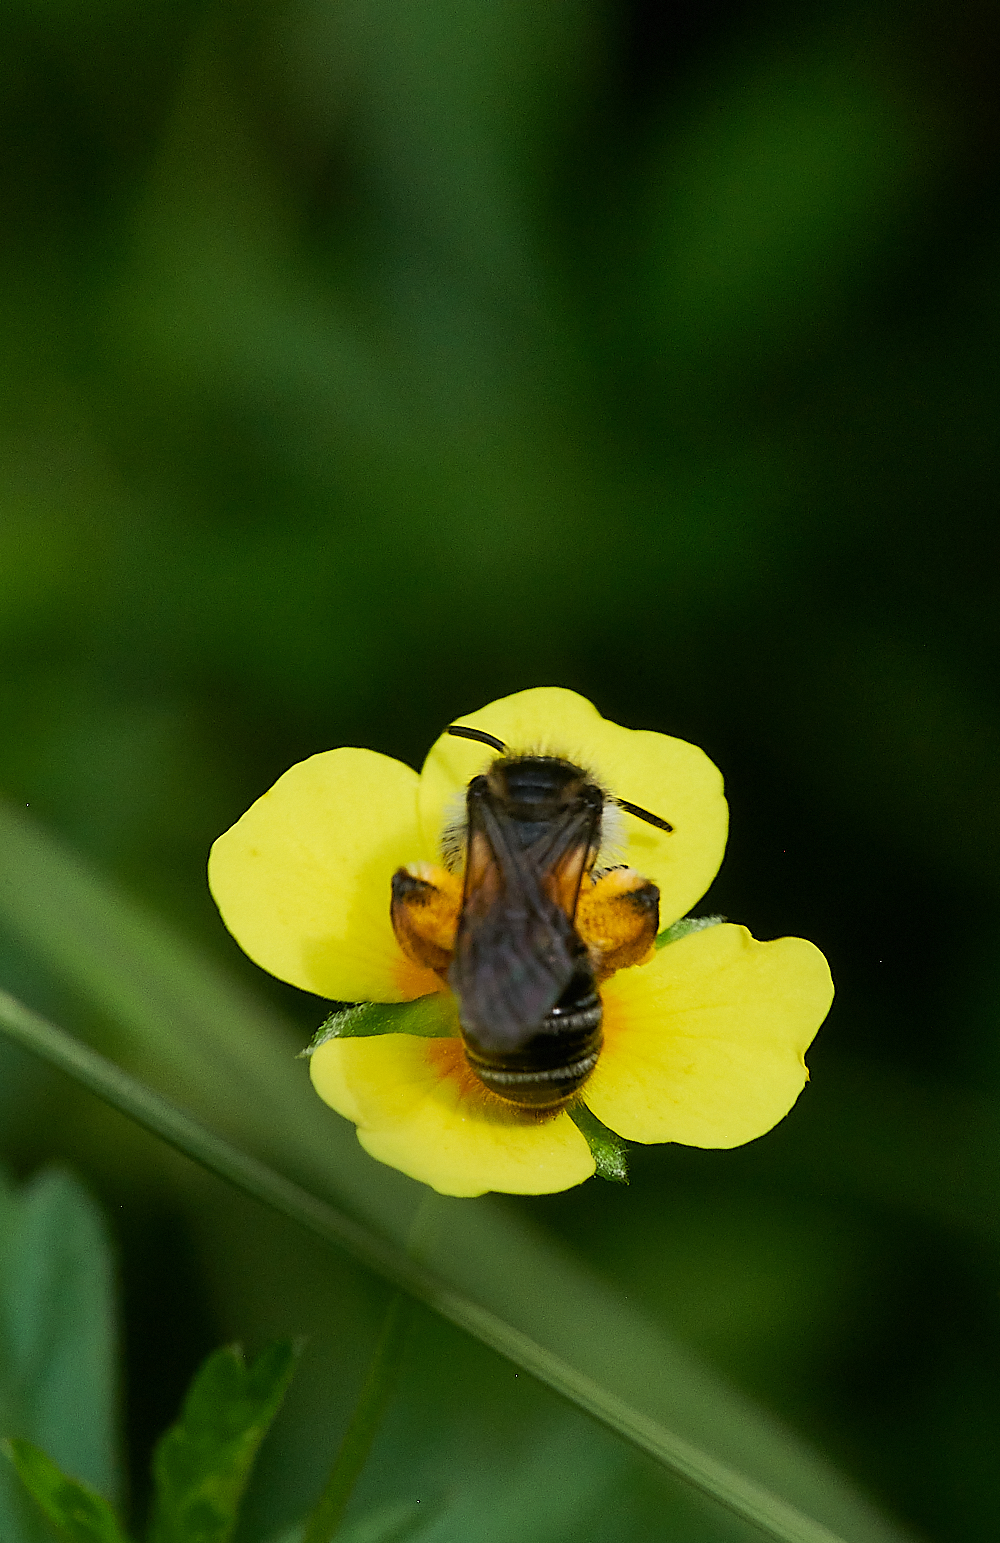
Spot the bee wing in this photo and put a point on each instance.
(517, 949)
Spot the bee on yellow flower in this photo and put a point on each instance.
(516, 910)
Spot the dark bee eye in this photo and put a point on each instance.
(479, 736)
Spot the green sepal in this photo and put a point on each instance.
(430, 1017)
(608, 1150)
(684, 927)
(78, 1513)
(202, 1464)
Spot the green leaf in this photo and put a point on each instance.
(202, 1464)
(78, 1513)
(58, 1376)
(609, 1150)
(431, 1017)
(685, 927)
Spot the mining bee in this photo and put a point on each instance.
(525, 932)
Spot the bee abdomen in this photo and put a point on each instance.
(552, 1065)
(533, 1089)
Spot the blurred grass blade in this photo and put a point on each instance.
(233, 1061)
(202, 1464)
(78, 1514)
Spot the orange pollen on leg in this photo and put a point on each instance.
(425, 906)
(617, 917)
(415, 980)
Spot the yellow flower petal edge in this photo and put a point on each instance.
(705, 1044)
(663, 775)
(419, 1109)
(302, 880)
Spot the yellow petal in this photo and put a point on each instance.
(665, 776)
(303, 879)
(419, 1108)
(705, 1044)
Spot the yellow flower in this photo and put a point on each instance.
(703, 1041)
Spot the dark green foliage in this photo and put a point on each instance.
(202, 1464)
(78, 1513)
(392, 1523)
(58, 1383)
(58, 1377)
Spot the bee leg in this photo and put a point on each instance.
(426, 902)
(617, 916)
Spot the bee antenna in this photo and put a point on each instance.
(481, 738)
(642, 814)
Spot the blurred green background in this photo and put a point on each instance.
(364, 361)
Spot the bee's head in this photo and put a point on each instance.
(539, 787)
(536, 788)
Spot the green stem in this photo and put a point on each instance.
(724, 1484)
(380, 1379)
(352, 1454)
